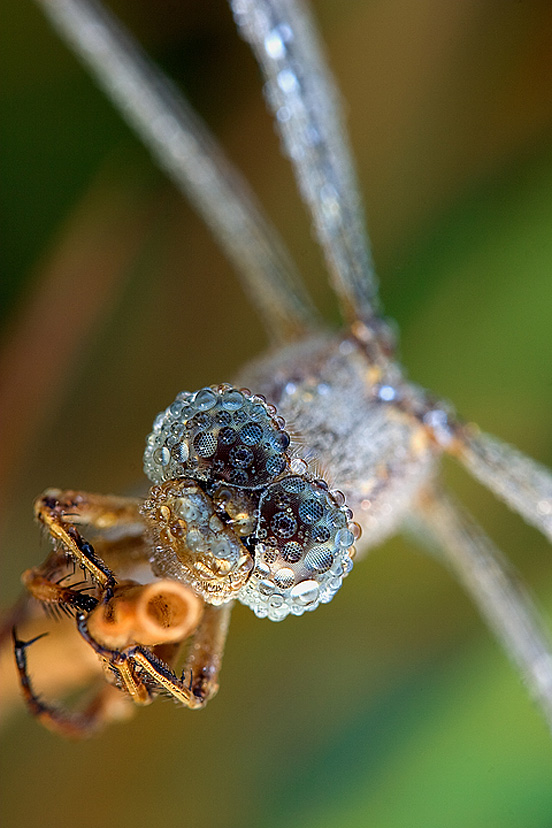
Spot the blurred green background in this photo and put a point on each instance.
(392, 706)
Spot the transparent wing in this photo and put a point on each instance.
(495, 589)
(524, 484)
(186, 150)
(304, 100)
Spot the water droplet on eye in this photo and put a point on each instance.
(241, 456)
(284, 578)
(298, 466)
(163, 513)
(240, 416)
(319, 559)
(223, 418)
(262, 570)
(311, 511)
(344, 538)
(269, 555)
(338, 497)
(356, 530)
(251, 434)
(205, 399)
(294, 484)
(283, 525)
(280, 440)
(178, 528)
(232, 400)
(177, 429)
(239, 477)
(320, 534)
(205, 444)
(347, 566)
(180, 452)
(292, 552)
(305, 593)
(275, 465)
(162, 456)
(227, 436)
(257, 412)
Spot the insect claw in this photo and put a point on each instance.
(21, 646)
(24, 644)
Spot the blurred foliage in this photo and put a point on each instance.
(391, 707)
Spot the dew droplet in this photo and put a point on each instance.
(344, 538)
(305, 593)
(310, 511)
(298, 466)
(283, 525)
(274, 45)
(232, 400)
(205, 444)
(205, 399)
(292, 552)
(293, 484)
(284, 578)
(287, 81)
(318, 559)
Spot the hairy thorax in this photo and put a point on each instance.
(356, 423)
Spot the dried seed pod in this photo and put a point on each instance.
(156, 613)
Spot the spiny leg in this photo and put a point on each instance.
(155, 675)
(494, 588)
(45, 583)
(206, 651)
(54, 594)
(122, 664)
(161, 613)
(98, 510)
(106, 706)
(59, 510)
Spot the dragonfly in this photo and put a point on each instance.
(353, 418)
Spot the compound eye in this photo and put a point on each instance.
(218, 434)
(303, 549)
(191, 544)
